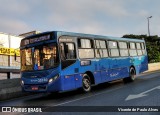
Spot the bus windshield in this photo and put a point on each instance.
(39, 57)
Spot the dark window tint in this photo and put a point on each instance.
(68, 51)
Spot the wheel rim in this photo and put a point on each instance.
(86, 84)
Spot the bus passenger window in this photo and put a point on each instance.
(101, 49)
(143, 48)
(85, 46)
(67, 51)
(139, 51)
(132, 50)
(123, 48)
(114, 51)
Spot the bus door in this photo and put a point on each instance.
(68, 65)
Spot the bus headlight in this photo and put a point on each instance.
(53, 79)
(22, 82)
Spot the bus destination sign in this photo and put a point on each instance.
(37, 39)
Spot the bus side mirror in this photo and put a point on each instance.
(15, 57)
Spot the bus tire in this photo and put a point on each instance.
(86, 83)
(132, 75)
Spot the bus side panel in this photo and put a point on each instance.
(113, 69)
(118, 68)
(94, 69)
(144, 64)
(140, 63)
(104, 75)
(68, 82)
(123, 65)
(72, 82)
(78, 80)
(56, 86)
(104, 67)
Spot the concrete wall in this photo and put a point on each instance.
(7, 63)
(11, 88)
(154, 66)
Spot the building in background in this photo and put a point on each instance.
(9, 45)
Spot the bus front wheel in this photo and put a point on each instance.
(86, 83)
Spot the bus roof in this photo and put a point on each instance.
(60, 33)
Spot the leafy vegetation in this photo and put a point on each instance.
(152, 44)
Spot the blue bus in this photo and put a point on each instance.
(60, 61)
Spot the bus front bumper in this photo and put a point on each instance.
(47, 87)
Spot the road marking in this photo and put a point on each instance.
(130, 97)
(88, 96)
(80, 98)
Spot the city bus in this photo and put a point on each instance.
(60, 61)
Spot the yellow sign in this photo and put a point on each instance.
(9, 51)
(27, 67)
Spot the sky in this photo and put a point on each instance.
(100, 17)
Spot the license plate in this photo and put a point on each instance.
(34, 87)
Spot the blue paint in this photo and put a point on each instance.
(102, 69)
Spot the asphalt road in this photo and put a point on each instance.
(104, 98)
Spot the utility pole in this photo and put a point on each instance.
(148, 25)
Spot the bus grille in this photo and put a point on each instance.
(37, 74)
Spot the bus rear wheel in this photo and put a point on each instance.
(86, 83)
(132, 75)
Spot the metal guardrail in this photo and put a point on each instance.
(8, 66)
(9, 69)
